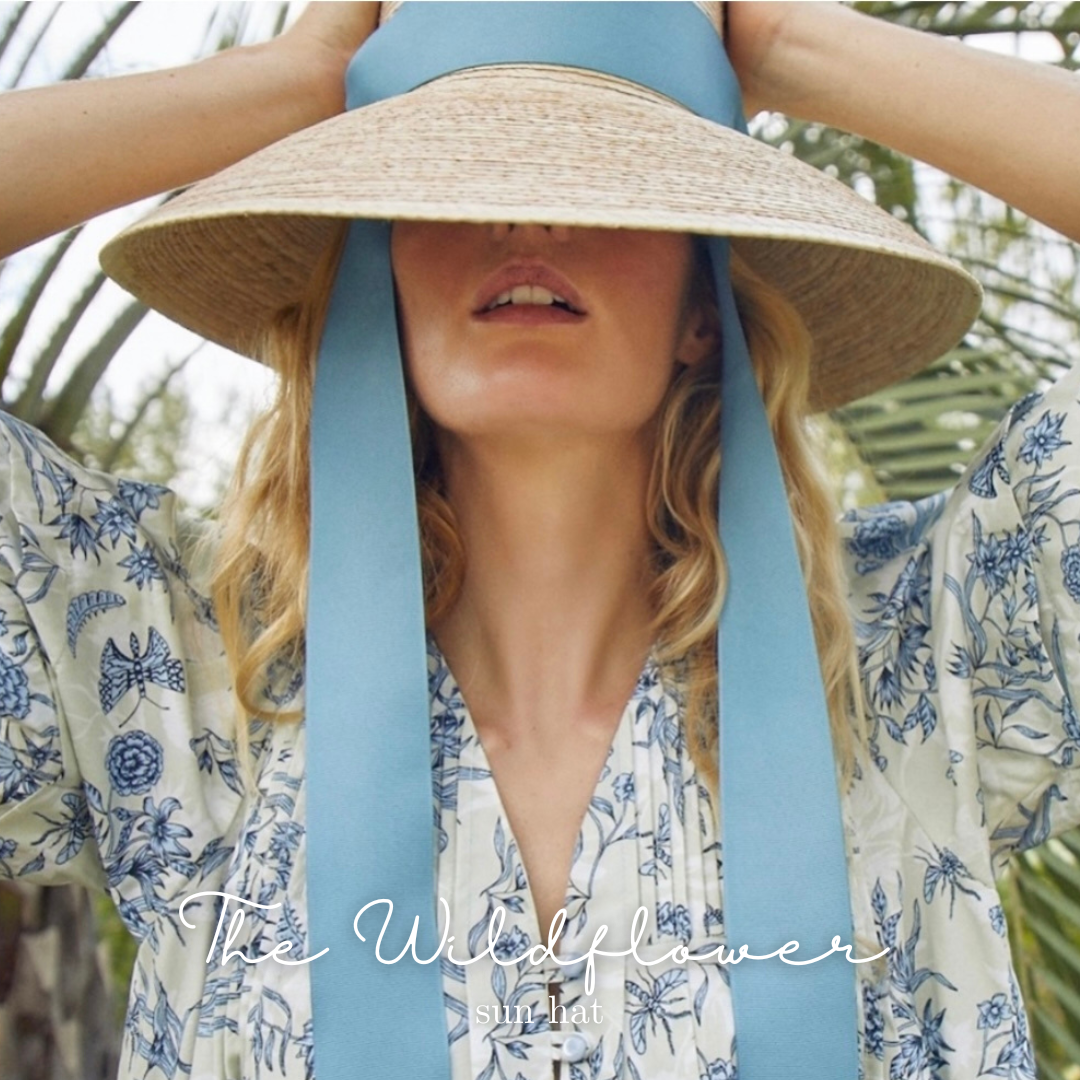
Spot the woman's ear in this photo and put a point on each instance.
(700, 337)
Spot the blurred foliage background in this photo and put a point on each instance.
(65, 958)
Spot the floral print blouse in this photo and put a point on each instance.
(118, 771)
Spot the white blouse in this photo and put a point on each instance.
(118, 770)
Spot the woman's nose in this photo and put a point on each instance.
(503, 229)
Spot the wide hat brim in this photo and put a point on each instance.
(558, 145)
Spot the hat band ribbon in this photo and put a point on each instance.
(368, 742)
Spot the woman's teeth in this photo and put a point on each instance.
(527, 294)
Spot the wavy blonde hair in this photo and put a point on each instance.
(260, 556)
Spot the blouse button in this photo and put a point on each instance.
(576, 969)
(575, 1047)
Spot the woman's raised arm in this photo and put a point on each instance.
(1006, 125)
(76, 149)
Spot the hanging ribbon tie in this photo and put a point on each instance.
(370, 821)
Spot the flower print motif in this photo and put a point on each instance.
(624, 787)
(1039, 822)
(22, 772)
(720, 1069)
(994, 1012)
(648, 678)
(912, 639)
(3, 623)
(1070, 570)
(142, 566)
(82, 536)
(1043, 439)
(113, 520)
(997, 920)
(911, 589)
(1023, 407)
(8, 847)
(211, 749)
(921, 1043)
(921, 1050)
(163, 834)
(305, 1049)
(713, 917)
(990, 563)
(944, 870)
(290, 928)
(875, 1021)
(284, 843)
(284, 677)
(162, 1049)
(14, 689)
(135, 762)
(271, 1022)
(876, 540)
(511, 946)
(446, 725)
(1019, 548)
(72, 830)
(285, 840)
(1017, 1058)
(139, 496)
(888, 690)
(981, 481)
(673, 919)
(656, 1005)
(131, 913)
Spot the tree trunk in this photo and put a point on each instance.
(57, 1011)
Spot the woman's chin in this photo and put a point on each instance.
(531, 429)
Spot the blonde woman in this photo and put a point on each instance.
(567, 476)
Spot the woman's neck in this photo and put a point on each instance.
(552, 625)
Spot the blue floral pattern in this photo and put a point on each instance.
(118, 770)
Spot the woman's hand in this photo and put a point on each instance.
(325, 37)
(1005, 125)
(77, 149)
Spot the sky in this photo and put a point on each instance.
(224, 389)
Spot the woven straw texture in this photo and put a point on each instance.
(545, 143)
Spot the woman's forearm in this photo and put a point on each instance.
(1008, 126)
(73, 150)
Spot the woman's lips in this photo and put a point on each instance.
(529, 315)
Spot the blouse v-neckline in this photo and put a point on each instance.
(474, 762)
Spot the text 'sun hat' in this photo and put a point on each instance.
(599, 114)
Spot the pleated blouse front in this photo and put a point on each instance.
(649, 841)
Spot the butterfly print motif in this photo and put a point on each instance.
(120, 673)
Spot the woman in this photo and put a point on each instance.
(550, 627)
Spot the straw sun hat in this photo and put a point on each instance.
(560, 145)
(589, 114)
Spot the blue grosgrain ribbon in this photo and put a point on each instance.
(369, 786)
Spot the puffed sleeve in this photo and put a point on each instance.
(967, 611)
(1025, 560)
(46, 836)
